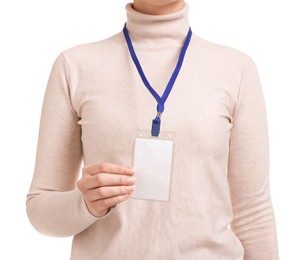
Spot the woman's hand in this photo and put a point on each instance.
(105, 185)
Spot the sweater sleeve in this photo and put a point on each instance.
(248, 171)
(54, 205)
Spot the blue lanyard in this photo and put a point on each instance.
(161, 100)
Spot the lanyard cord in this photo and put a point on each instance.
(160, 100)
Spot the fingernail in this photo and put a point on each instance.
(131, 171)
(130, 188)
(131, 180)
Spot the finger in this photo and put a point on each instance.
(110, 202)
(107, 192)
(105, 179)
(96, 168)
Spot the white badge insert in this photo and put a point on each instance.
(152, 161)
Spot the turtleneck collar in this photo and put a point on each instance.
(144, 27)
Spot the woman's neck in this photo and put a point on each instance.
(157, 30)
(156, 8)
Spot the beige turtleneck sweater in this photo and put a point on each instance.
(93, 103)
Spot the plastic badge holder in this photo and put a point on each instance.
(152, 161)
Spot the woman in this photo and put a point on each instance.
(94, 102)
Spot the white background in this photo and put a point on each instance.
(33, 33)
